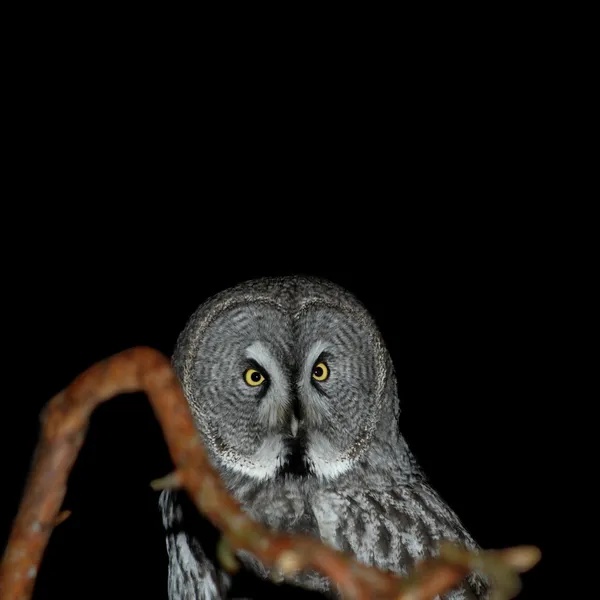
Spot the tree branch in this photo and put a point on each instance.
(65, 420)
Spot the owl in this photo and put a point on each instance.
(294, 394)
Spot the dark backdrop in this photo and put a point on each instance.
(437, 193)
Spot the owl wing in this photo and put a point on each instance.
(434, 522)
(394, 529)
(193, 574)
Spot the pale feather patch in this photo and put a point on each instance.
(261, 465)
(327, 461)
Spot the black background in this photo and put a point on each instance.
(137, 190)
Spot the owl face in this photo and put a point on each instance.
(284, 378)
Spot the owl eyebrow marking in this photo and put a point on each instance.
(317, 351)
(323, 357)
(260, 354)
(254, 364)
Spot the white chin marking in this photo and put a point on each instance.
(261, 465)
(320, 452)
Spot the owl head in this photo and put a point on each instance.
(287, 377)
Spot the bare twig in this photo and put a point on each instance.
(64, 423)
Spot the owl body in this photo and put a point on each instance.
(294, 395)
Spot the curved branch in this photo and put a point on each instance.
(64, 424)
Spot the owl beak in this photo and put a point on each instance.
(296, 418)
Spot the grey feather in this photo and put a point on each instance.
(323, 457)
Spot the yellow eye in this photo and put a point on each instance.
(320, 372)
(253, 377)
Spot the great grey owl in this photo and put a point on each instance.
(294, 395)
